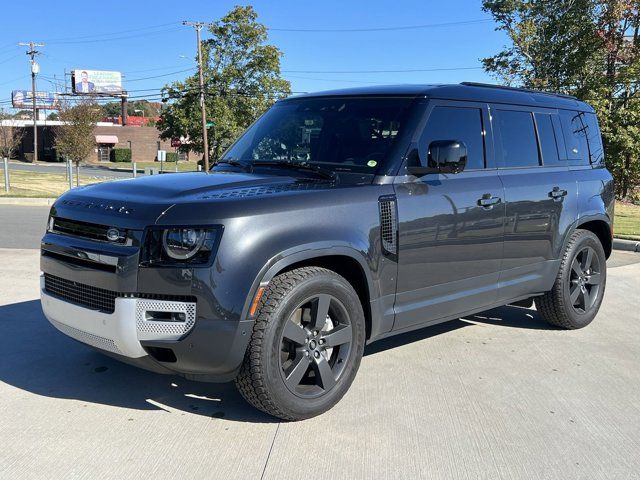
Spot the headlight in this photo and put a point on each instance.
(191, 246)
(183, 243)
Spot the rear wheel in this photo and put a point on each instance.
(577, 293)
(306, 345)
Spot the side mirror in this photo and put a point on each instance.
(443, 156)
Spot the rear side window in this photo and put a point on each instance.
(575, 137)
(517, 135)
(457, 123)
(596, 150)
(547, 138)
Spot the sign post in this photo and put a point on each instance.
(6, 174)
(162, 157)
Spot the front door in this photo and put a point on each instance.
(450, 225)
(104, 152)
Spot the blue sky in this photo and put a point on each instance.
(146, 39)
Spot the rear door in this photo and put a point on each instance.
(450, 225)
(540, 195)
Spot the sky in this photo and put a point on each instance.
(412, 41)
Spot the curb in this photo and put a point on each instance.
(27, 202)
(626, 245)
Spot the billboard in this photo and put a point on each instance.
(44, 100)
(96, 82)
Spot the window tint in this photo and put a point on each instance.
(596, 151)
(517, 139)
(345, 134)
(457, 123)
(575, 136)
(547, 138)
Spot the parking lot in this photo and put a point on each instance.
(496, 395)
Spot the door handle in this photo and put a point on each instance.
(557, 193)
(487, 201)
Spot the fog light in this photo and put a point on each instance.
(152, 316)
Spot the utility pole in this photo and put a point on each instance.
(35, 68)
(205, 142)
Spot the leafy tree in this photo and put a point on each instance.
(586, 48)
(10, 137)
(242, 79)
(75, 139)
(149, 109)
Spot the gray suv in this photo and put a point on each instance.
(335, 220)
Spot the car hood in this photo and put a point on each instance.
(128, 202)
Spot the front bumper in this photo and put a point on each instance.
(122, 331)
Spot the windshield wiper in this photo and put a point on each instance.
(323, 172)
(235, 163)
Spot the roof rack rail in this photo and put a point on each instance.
(517, 89)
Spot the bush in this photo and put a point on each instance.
(29, 157)
(120, 155)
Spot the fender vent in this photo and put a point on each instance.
(388, 224)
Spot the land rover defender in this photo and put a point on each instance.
(337, 219)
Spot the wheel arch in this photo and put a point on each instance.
(345, 261)
(601, 229)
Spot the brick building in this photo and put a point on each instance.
(144, 141)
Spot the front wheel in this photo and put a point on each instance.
(306, 344)
(577, 293)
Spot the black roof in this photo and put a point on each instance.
(477, 92)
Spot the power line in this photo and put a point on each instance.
(108, 34)
(380, 29)
(410, 70)
(163, 75)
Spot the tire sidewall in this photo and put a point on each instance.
(586, 239)
(287, 401)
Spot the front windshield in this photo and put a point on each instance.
(347, 134)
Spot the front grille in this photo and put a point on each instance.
(78, 293)
(98, 298)
(91, 231)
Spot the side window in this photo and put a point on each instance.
(517, 139)
(547, 138)
(575, 137)
(596, 150)
(457, 123)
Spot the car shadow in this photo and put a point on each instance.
(507, 316)
(512, 316)
(37, 358)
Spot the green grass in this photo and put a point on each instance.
(626, 223)
(41, 185)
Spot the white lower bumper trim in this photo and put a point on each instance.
(121, 331)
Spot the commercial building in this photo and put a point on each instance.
(144, 141)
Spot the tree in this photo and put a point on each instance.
(74, 138)
(10, 136)
(586, 48)
(149, 109)
(242, 79)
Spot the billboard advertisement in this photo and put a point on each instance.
(44, 100)
(96, 82)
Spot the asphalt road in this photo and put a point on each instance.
(89, 170)
(499, 395)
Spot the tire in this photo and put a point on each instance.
(577, 293)
(306, 344)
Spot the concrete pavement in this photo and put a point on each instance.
(496, 395)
